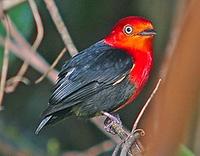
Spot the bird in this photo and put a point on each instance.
(105, 77)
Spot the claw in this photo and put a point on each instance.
(108, 126)
(110, 121)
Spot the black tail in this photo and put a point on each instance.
(53, 118)
(43, 123)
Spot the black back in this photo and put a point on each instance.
(94, 80)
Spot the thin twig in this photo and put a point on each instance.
(5, 62)
(137, 147)
(39, 24)
(24, 80)
(131, 138)
(34, 59)
(128, 143)
(9, 83)
(145, 106)
(39, 37)
(127, 139)
(117, 149)
(52, 66)
(62, 29)
(23, 50)
(7, 4)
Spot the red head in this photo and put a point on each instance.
(135, 36)
(132, 34)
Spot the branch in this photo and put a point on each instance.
(7, 4)
(23, 50)
(11, 81)
(62, 29)
(145, 106)
(39, 24)
(40, 33)
(5, 62)
(131, 139)
(52, 66)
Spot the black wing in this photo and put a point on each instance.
(92, 70)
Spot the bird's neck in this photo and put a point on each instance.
(142, 66)
(139, 73)
(142, 56)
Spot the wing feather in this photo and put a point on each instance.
(92, 70)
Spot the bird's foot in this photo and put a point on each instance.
(110, 121)
(133, 140)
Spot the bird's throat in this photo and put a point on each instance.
(140, 71)
(139, 74)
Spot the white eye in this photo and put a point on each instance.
(128, 29)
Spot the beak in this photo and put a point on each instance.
(148, 32)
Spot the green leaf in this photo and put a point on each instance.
(53, 147)
(184, 151)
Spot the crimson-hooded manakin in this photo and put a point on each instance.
(106, 76)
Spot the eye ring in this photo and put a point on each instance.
(128, 29)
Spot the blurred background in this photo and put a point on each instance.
(88, 22)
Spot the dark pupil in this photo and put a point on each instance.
(128, 29)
